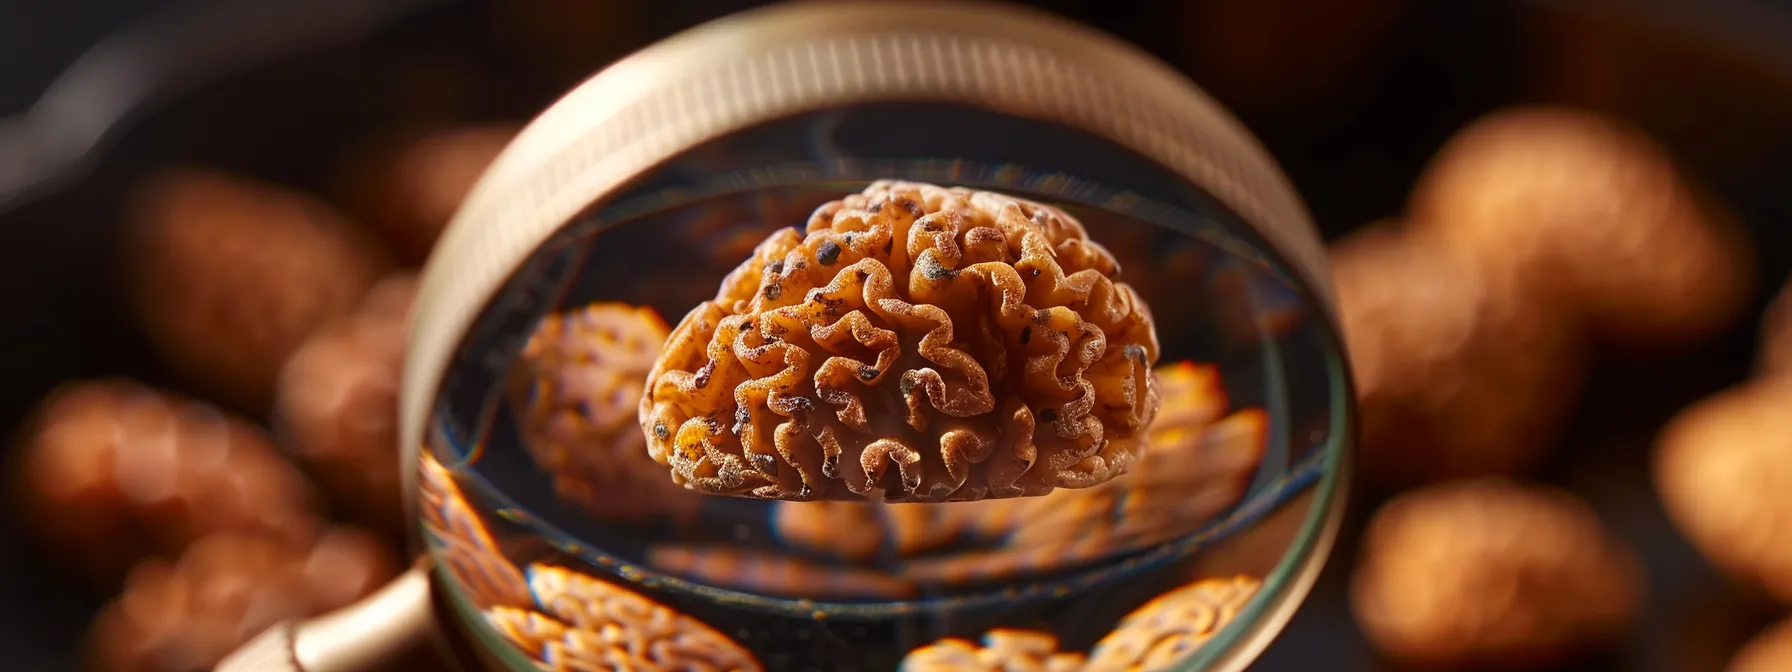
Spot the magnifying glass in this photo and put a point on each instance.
(867, 336)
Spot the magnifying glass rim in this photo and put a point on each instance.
(775, 62)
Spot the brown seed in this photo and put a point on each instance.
(624, 622)
(1491, 572)
(1592, 211)
(579, 386)
(463, 545)
(1775, 355)
(112, 471)
(229, 276)
(408, 190)
(1724, 474)
(876, 306)
(1770, 651)
(226, 589)
(1459, 372)
(1167, 630)
(1002, 650)
(337, 404)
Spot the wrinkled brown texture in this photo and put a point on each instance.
(1200, 465)
(1491, 572)
(919, 344)
(408, 189)
(1184, 489)
(337, 404)
(1459, 371)
(1592, 211)
(229, 276)
(186, 615)
(1770, 651)
(112, 471)
(1775, 355)
(1002, 650)
(579, 394)
(1723, 469)
(769, 573)
(628, 631)
(1168, 629)
(462, 544)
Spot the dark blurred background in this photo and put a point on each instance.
(1351, 96)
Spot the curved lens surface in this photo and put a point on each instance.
(566, 539)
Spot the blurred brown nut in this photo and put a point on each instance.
(1491, 572)
(1724, 473)
(880, 357)
(631, 627)
(1775, 356)
(581, 377)
(187, 615)
(464, 548)
(1596, 212)
(1770, 651)
(409, 189)
(337, 404)
(770, 573)
(229, 276)
(112, 471)
(1168, 629)
(1003, 650)
(1459, 373)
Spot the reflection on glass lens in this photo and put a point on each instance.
(810, 417)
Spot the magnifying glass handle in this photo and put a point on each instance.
(382, 629)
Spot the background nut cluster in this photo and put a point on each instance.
(1491, 572)
(113, 472)
(917, 344)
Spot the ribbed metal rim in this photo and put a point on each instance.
(776, 62)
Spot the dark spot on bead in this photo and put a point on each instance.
(848, 237)
(913, 208)
(876, 207)
(932, 270)
(930, 225)
(830, 466)
(775, 267)
(1033, 272)
(799, 265)
(1048, 415)
(1026, 334)
(1134, 352)
(661, 432)
(773, 291)
(827, 253)
(747, 327)
(906, 386)
(805, 492)
(868, 373)
(862, 275)
(701, 380)
(889, 244)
